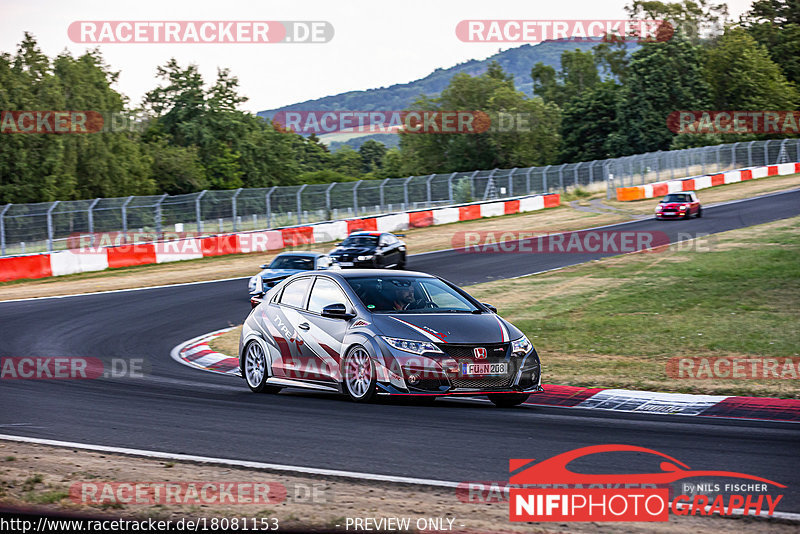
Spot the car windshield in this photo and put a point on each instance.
(300, 263)
(360, 241)
(407, 294)
(677, 197)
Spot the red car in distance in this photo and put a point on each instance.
(679, 206)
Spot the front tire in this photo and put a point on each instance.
(358, 375)
(508, 400)
(699, 212)
(255, 369)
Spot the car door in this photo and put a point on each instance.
(325, 336)
(281, 321)
(695, 207)
(390, 253)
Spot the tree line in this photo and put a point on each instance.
(602, 103)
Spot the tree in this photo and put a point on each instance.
(662, 78)
(578, 73)
(587, 123)
(743, 77)
(693, 20)
(775, 24)
(347, 161)
(372, 153)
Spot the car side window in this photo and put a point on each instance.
(324, 293)
(383, 241)
(294, 292)
(391, 240)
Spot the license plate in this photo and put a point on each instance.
(346, 263)
(468, 369)
(669, 213)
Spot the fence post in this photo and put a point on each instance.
(576, 173)
(544, 180)
(158, 215)
(90, 217)
(782, 151)
(750, 153)
(269, 206)
(766, 153)
(428, 187)
(3, 230)
(328, 201)
(733, 156)
(355, 197)
(528, 181)
(125, 219)
(233, 207)
(382, 197)
(50, 226)
(406, 201)
(472, 187)
(511, 182)
(300, 204)
(450, 186)
(198, 212)
(561, 177)
(489, 183)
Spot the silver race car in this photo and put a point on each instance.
(370, 332)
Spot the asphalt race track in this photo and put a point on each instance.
(174, 408)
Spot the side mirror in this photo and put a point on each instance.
(337, 311)
(265, 266)
(491, 308)
(259, 288)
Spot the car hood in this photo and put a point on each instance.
(673, 205)
(352, 250)
(277, 273)
(484, 328)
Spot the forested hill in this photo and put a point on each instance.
(516, 61)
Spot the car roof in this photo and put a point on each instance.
(302, 254)
(366, 232)
(356, 273)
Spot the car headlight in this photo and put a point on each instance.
(365, 258)
(521, 345)
(683, 207)
(659, 207)
(251, 285)
(408, 345)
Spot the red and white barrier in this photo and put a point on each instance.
(99, 258)
(659, 189)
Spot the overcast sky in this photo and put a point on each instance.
(377, 43)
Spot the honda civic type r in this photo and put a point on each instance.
(365, 333)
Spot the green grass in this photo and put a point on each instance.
(616, 322)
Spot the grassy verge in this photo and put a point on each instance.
(616, 322)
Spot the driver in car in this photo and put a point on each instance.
(403, 296)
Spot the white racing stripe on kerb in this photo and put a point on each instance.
(622, 400)
(232, 462)
(176, 351)
(281, 467)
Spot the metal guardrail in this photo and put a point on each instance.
(47, 226)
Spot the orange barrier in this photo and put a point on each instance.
(468, 213)
(14, 268)
(552, 201)
(128, 255)
(511, 207)
(366, 225)
(624, 194)
(300, 235)
(419, 219)
(688, 185)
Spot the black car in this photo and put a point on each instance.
(366, 332)
(370, 250)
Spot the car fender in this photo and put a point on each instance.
(375, 351)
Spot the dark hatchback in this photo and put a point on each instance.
(370, 250)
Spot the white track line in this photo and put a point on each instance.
(231, 462)
(288, 468)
